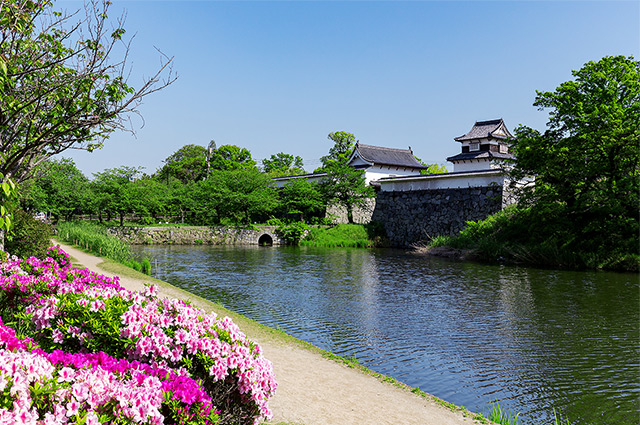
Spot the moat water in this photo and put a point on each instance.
(533, 340)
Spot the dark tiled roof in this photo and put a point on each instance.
(299, 176)
(480, 155)
(484, 129)
(388, 156)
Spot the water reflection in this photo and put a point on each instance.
(531, 339)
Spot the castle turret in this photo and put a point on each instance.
(483, 147)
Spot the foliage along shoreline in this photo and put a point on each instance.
(501, 238)
(510, 237)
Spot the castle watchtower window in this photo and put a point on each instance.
(474, 147)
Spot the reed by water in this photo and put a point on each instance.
(94, 238)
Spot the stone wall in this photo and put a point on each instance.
(196, 235)
(414, 216)
(361, 214)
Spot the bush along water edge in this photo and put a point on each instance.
(101, 353)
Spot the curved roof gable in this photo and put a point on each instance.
(495, 129)
(377, 155)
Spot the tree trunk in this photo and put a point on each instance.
(350, 214)
(1, 239)
(121, 219)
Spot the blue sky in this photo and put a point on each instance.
(279, 76)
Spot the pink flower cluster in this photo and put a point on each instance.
(91, 387)
(163, 339)
(168, 329)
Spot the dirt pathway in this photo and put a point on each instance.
(313, 390)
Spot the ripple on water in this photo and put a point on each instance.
(533, 340)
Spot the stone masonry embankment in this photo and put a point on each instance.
(414, 216)
(218, 235)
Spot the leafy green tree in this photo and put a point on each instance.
(283, 164)
(340, 152)
(60, 85)
(59, 189)
(300, 196)
(231, 157)
(117, 192)
(8, 200)
(152, 196)
(188, 164)
(31, 237)
(433, 168)
(344, 185)
(243, 195)
(586, 163)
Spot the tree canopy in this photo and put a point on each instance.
(63, 84)
(231, 157)
(60, 189)
(344, 185)
(283, 164)
(343, 144)
(187, 164)
(585, 163)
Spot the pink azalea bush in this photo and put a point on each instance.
(81, 312)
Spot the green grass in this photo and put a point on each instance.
(94, 238)
(501, 416)
(342, 235)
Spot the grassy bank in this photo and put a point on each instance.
(345, 235)
(94, 238)
(524, 236)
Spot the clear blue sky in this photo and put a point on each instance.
(279, 76)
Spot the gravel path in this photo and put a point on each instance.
(313, 390)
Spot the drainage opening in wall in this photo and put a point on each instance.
(265, 240)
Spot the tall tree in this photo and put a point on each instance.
(586, 163)
(231, 157)
(60, 189)
(243, 195)
(344, 184)
(302, 197)
(117, 192)
(187, 164)
(62, 84)
(283, 164)
(343, 145)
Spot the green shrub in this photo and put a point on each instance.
(133, 264)
(30, 236)
(274, 222)
(147, 221)
(146, 266)
(342, 235)
(540, 237)
(293, 232)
